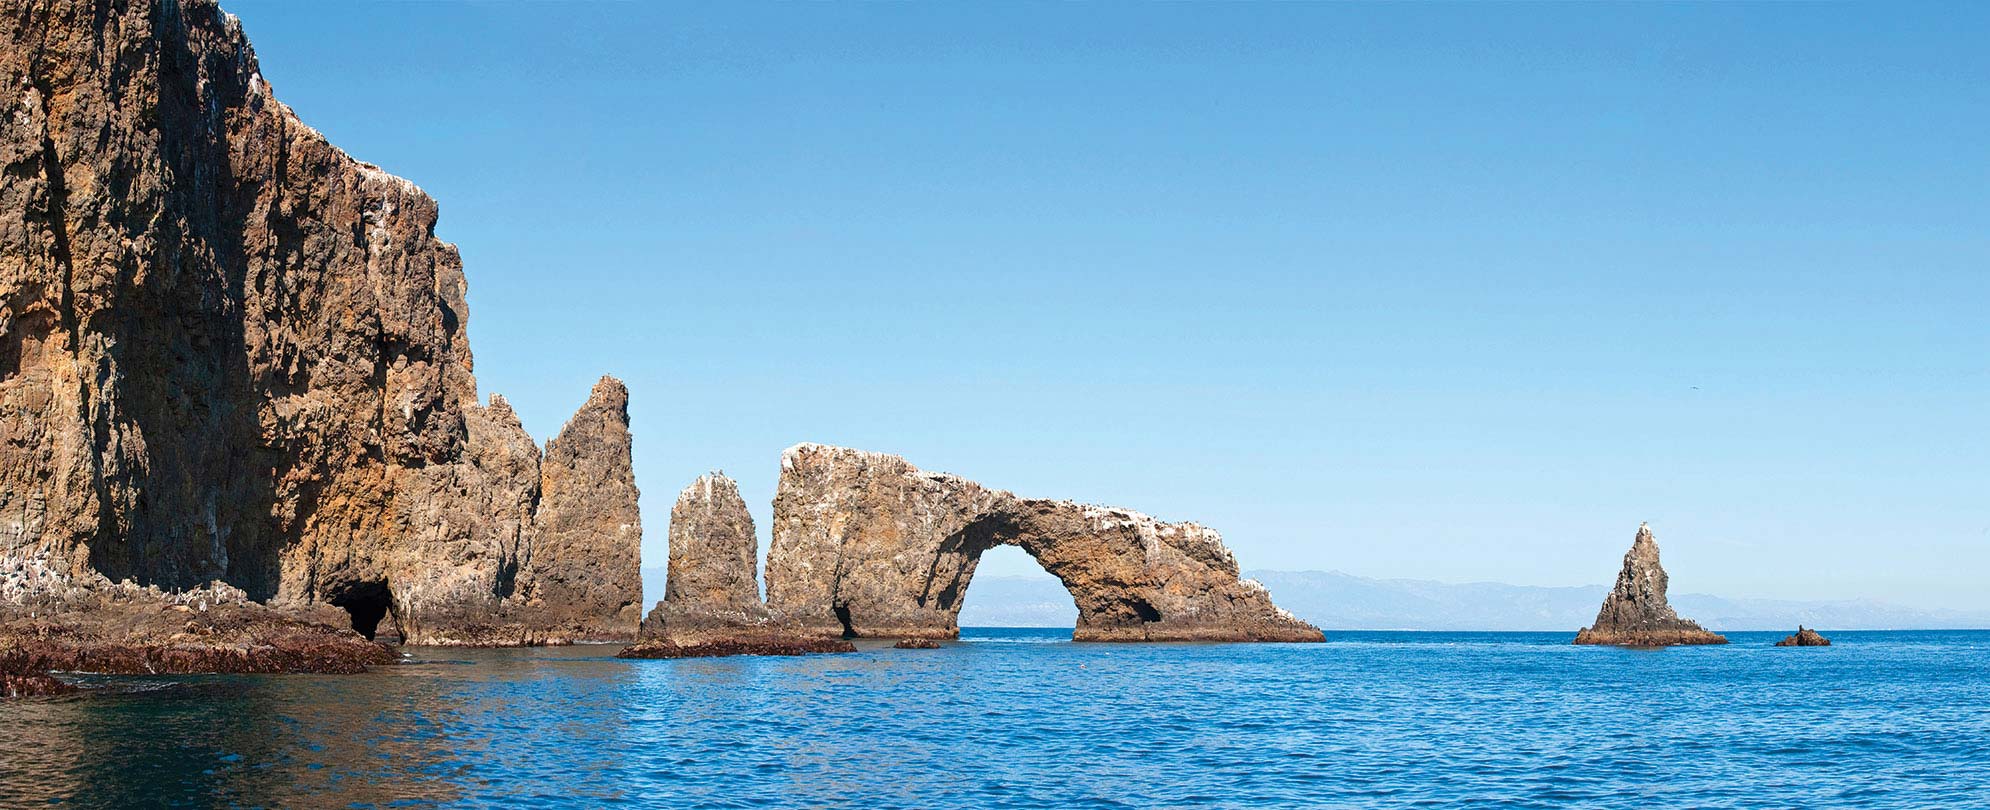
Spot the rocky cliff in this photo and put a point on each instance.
(1636, 613)
(229, 351)
(868, 545)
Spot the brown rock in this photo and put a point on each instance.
(128, 630)
(1636, 613)
(656, 648)
(916, 644)
(230, 351)
(868, 545)
(1805, 637)
(711, 588)
(19, 686)
(584, 575)
(711, 603)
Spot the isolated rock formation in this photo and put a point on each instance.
(228, 351)
(711, 603)
(867, 545)
(1805, 637)
(711, 584)
(1636, 614)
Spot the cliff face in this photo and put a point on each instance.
(230, 351)
(1636, 613)
(867, 545)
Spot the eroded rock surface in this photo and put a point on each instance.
(711, 603)
(867, 545)
(1636, 613)
(711, 586)
(229, 351)
(584, 575)
(1805, 637)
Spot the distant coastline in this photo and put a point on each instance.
(1336, 600)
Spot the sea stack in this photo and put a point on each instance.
(1805, 637)
(1635, 614)
(711, 604)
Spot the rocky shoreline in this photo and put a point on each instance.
(126, 630)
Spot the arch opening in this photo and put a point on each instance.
(1011, 588)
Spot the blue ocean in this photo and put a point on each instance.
(1025, 718)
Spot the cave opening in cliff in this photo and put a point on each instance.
(368, 603)
(843, 615)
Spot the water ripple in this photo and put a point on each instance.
(1027, 719)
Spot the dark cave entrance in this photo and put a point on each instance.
(843, 615)
(368, 603)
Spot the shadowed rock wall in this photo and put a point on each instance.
(230, 351)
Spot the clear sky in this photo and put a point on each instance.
(1434, 291)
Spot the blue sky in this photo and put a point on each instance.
(1435, 291)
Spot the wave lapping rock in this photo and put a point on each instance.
(229, 351)
(866, 545)
(1636, 613)
(1805, 637)
(658, 648)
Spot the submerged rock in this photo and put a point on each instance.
(867, 545)
(19, 686)
(657, 648)
(1636, 613)
(1805, 637)
(229, 351)
(916, 644)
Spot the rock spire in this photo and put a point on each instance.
(1636, 613)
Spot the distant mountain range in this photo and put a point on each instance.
(1338, 601)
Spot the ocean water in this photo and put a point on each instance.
(1025, 718)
